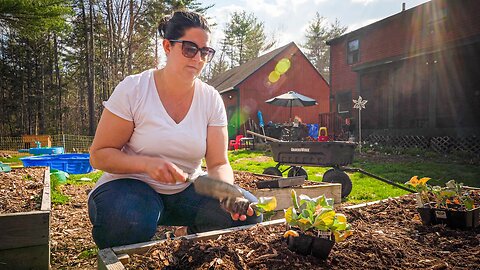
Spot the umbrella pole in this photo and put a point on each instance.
(291, 121)
(290, 112)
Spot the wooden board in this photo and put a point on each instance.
(108, 260)
(284, 200)
(24, 229)
(46, 194)
(32, 257)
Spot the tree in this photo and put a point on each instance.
(317, 51)
(59, 59)
(33, 17)
(244, 38)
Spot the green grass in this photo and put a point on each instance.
(57, 196)
(366, 188)
(74, 179)
(440, 172)
(14, 160)
(88, 253)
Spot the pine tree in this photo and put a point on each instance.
(244, 38)
(317, 51)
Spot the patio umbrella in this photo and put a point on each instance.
(292, 99)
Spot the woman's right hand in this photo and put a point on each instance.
(164, 171)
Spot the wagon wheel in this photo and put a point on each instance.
(297, 171)
(272, 171)
(338, 176)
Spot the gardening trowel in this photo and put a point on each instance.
(214, 188)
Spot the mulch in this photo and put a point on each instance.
(386, 236)
(21, 191)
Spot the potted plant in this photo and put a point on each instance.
(452, 205)
(314, 226)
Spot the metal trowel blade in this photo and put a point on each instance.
(215, 188)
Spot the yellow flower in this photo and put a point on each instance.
(424, 180)
(414, 181)
(290, 233)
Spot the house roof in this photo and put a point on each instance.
(229, 79)
(371, 26)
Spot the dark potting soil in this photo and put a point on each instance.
(387, 235)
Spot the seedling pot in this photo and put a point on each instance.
(316, 246)
(456, 219)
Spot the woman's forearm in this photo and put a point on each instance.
(223, 172)
(113, 160)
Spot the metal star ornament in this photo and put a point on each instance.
(359, 103)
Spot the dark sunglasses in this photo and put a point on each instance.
(190, 49)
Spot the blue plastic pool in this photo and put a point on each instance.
(70, 163)
(46, 151)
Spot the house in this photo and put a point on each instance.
(244, 89)
(419, 70)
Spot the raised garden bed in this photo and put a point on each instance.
(386, 235)
(25, 219)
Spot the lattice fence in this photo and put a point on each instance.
(71, 143)
(444, 145)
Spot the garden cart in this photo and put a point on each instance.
(297, 154)
(335, 154)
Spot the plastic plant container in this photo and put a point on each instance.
(61, 175)
(468, 219)
(70, 163)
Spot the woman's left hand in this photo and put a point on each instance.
(239, 208)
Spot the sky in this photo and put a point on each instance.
(287, 20)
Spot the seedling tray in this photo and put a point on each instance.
(468, 219)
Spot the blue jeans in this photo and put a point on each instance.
(127, 211)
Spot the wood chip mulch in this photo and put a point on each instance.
(387, 235)
(21, 190)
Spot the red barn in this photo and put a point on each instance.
(418, 69)
(245, 88)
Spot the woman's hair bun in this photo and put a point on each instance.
(162, 25)
(173, 26)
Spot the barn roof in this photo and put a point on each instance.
(229, 79)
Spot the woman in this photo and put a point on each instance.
(155, 129)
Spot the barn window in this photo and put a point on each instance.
(353, 51)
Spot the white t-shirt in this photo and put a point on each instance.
(156, 133)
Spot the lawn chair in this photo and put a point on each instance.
(235, 144)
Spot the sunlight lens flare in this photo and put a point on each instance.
(274, 76)
(283, 66)
(280, 69)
